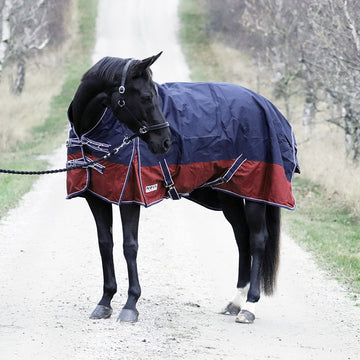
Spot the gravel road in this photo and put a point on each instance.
(50, 271)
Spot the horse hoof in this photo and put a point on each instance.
(245, 317)
(128, 315)
(230, 309)
(101, 312)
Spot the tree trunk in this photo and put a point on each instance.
(352, 135)
(20, 77)
(4, 31)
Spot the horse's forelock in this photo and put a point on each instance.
(108, 68)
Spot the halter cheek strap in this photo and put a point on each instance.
(121, 102)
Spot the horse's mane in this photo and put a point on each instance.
(110, 69)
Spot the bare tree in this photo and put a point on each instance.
(32, 27)
(336, 64)
(281, 27)
(4, 30)
(309, 46)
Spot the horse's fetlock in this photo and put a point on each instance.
(135, 292)
(253, 297)
(110, 290)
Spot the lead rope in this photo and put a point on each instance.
(143, 130)
(126, 141)
(113, 152)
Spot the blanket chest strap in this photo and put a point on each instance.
(169, 183)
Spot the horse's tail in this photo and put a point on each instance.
(271, 255)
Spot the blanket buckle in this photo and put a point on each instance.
(168, 181)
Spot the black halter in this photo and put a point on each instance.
(121, 102)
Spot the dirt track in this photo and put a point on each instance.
(50, 272)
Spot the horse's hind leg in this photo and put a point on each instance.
(255, 214)
(130, 222)
(248, 220)
(102, 212)
(233, 209)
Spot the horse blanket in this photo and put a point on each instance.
(224, 136)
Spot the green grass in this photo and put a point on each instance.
(50, 135)
(321, 224)
(195, 44)
(326, 227)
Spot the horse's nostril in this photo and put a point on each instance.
(167, 144)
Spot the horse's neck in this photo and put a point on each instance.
(88, 105)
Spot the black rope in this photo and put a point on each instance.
(70, 168)
(19, 172)
(143, 130)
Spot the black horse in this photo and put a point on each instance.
(125, 86)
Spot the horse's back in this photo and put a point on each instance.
(229, 117)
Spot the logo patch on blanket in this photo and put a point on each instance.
(151, 188)
(223, 136)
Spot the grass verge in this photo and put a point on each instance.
(47, 137)
(326, 226)
(195, 44)
(323, 225)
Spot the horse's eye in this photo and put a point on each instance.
(146, 99)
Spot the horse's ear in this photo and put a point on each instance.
(140, 67)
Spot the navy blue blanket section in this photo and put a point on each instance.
(215, 123)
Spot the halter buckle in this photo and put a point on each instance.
(143, 130)
(121, 103)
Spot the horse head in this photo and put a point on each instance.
(125, 86)
(135, 102)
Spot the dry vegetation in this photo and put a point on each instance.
(20, 113)
(44, 79)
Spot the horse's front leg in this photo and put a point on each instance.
(102, 212)
(130, 214)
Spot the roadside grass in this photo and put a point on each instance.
(327, 227)
(322, 224)
(44, 138)
(204, 66)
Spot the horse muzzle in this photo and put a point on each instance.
(159, 144)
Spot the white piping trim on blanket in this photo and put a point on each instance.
(295, 165)
(254, 199)
(139, 169)
(100, 120)
(128, 172)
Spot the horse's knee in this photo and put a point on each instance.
(258, 242)
(256, 220)
(105, 242)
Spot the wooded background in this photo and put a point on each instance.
(27, 28)
(305, 56)
(311, 47)
(36, 37)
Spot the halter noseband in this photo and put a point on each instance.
(121, 102)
